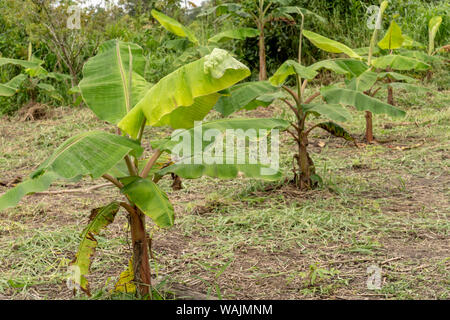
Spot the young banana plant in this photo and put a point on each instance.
(371, 71)
(254, 94)
(114, 88)
(261, 12)
(33, 76)
(199, 47)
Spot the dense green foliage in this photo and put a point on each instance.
(132, 22)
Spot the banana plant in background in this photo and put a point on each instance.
(114, 88)
(262, 93)
(198, 49)
(262, 12)
(31, 78)
(379, 69)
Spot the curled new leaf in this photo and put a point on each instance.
(100, 218)
(150, 199)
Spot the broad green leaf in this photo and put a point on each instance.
(360, 101)
(92, 153)
(100, 218)
(364, 51)
(187, 94)
(151, 200)
(12, 86)
(195, 135)
(58, 76)
(41, 183)
(422, 56)
(395, 76)
(433, 27)
(288, 68)
(18, 62)
(46, 87)
(408, 87)
(241, 95)
(329, 45)
(288, 10)
(336, 130)
(397, 62)
(174, 26)
(105, 85)
(237, 34)
(334, 112)
(393, 39)
(350, 67)
(363, 82)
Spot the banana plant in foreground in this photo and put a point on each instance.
(263, 93)
(114, 88)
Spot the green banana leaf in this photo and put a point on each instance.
(334, 112)
(288, 10)
(187, 94)
(174, 26)
(410, 43)
(291, 67)
(221, 126)
(18, 62)
(150, 199)
(329, 45)
(99, 219)
(335, 130)
(396, 76)
(393, 39)
(237, 34)
(105, 85)
(363, 82)
(223, 171)
(92, 153)
(241, 95)
(12, 86)
(360, 101)
(397, 62)
(433, 27)
(350, 67)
